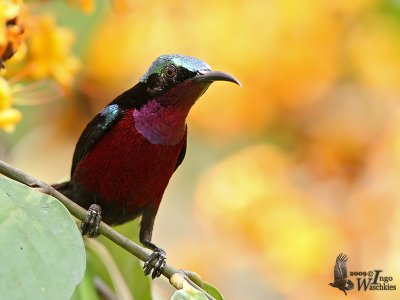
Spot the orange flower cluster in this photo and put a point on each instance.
(49, 52)
(44, 52)
(11, 28)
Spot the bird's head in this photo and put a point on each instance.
(172, 85)
(174, 75)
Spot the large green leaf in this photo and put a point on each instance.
(41, 254)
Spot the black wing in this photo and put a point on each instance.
(95, 130)
(340, 270)
(181, 155)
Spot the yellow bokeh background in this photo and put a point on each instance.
(282, 175)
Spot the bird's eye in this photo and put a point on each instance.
(170, 72)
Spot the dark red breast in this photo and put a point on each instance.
(125, 171)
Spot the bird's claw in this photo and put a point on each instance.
(155, 262)
(90, 226)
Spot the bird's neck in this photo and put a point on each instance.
(160, 124)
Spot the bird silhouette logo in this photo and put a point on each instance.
(340, 275)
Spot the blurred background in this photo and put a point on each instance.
(281, 176)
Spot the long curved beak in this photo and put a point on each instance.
(211, 76)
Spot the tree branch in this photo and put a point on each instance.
(80, 213)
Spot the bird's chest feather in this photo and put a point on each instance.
(124, 168)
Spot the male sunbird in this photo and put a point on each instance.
(128, 152)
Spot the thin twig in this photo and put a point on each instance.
(80, 213)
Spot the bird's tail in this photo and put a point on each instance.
(64, 188)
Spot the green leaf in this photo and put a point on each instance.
(42, 254)
(212, 290)
(188, 295)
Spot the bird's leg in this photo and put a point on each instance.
(157, 259)
(90, 226)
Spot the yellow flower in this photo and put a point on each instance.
(11, 28)
(49, 52)
(9, 116)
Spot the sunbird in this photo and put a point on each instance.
(128, 152)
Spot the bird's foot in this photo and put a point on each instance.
(155, 262)
(90, 226)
